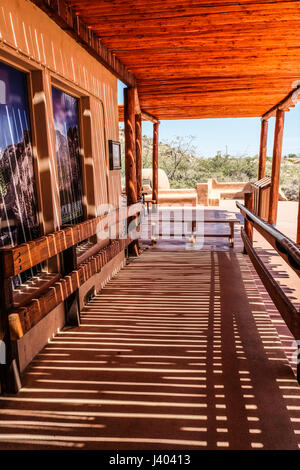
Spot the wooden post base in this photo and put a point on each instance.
(133, 248)
(10, 381)
(72, 309)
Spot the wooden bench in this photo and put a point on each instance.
(230, 235)
(230, 222)
(149, 202)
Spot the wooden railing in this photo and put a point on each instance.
(16, 321)
(289, 251)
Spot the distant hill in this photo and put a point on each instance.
(185, 168)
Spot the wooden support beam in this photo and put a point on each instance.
(263, 149)
(155, 163)
(138, 150)
(148, 117)
(248, 198)
(68, 19)
(130, 156)
(298, 224)
(10, 381)
(284, 105)
(276, 161)
(145, 116)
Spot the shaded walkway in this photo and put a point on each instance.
(176, 352)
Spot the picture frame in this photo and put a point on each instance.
(114, 155)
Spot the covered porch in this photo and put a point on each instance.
(152, 342)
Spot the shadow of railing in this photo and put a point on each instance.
(176, 352)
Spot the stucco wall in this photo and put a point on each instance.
(32, 41)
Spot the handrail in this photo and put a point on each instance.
(284, 246)
(287, 310)
(288, 250)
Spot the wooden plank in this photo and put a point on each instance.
(155, 164)
(298, 221)
(130, 156)
(148, 117)
(23, 319)
(145, 116)
(276, 162)
(248, 226)
(212, 59)
(263, 149)
(288, 102)
(206, 221)
(34, 288)
(22, 257)
(71, 22)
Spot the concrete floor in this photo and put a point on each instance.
(178, 351)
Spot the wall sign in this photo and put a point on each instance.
(114, 155)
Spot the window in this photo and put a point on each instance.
(18, 202)
(65, 113)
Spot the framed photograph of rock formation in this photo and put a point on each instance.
(67, 138)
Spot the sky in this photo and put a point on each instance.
(238, 136)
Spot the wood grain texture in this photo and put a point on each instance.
(24, 318)
(202, 59)
(263, 149)
(155, 164)
(130, 156)
(276, 162)
(71, 22)
(138, 151)
(18, 259)
(298, 222)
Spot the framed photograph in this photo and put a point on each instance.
(114, 155)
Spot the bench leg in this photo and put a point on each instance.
(231, 239)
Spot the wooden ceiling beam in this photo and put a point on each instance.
(71, 22)
(202, 58)
(145, 116)
(284, 105)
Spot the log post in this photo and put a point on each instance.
(276, 161)
(138, 149)
(248, 198)
(263, 149)
(10, 381)
(130, 159)
(298, 224)
(155, 164)
(130, 156)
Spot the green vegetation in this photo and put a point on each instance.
(184, 168)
